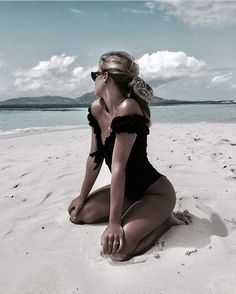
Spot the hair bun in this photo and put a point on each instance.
(142, 89)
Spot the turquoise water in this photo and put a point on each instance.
(195, 113)
(26, 121)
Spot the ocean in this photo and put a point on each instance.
(25, 122)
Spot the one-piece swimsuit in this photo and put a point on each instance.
(139, 172)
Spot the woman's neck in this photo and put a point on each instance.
(111, 106)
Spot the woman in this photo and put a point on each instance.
(139, 202)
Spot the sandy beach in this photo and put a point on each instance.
(41, 251)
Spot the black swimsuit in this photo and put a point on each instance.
(140, 174)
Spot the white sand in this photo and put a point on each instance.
(41, 251)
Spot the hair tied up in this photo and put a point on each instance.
(142, 89)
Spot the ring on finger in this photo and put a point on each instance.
(116, 243)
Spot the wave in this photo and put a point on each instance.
(37, 130)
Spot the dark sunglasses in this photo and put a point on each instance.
(94, 74)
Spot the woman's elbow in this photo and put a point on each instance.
(118, 168)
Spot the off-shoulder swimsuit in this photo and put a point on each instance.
(140, 173)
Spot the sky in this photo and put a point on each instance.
(185, 49)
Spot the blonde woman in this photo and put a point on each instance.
(138, 203)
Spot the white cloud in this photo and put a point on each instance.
(164, 66)
(77, 11)
(211, 13)
(55, 75)
(59, 75)
(164, 70)
(46, 73)
(223, 79)
(80, 79)
(136, 11)
(78, 71)
(56, 64)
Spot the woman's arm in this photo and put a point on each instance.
(114, 232)
(90, 174)
(121, 152)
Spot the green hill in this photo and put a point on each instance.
(83, 101)
(42, 100)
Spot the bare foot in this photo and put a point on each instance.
(174, 221)
(183, 217)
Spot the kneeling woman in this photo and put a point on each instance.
(138, 203)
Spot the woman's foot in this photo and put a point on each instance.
(181, 218)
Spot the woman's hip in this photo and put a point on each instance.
(162, 187)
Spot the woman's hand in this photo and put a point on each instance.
(76, 205)
(114, 233)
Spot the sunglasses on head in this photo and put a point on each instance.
(94, 74)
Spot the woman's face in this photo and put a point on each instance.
(99, 84)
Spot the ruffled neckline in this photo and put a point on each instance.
(114, 120)
(131, 123)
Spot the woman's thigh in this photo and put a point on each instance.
(145, 215)
(97, 206)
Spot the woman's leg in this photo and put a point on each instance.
(147, 242)
(147, 219)
(97, 207)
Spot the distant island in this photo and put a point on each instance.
(84, 101)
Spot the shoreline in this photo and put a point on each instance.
(53, 129)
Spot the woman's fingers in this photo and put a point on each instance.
(116, 245)
(112, 239)
(110, 245)
(121, 245)
(76, 212)
(105, 245)
(71, 207)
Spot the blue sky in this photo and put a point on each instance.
(185, 49)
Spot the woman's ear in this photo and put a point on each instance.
(105, 76)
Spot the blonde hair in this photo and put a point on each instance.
(122, 68)
(119, 62)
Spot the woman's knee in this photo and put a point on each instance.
(86, 215)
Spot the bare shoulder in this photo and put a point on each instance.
(96, 107)
(129, 106)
